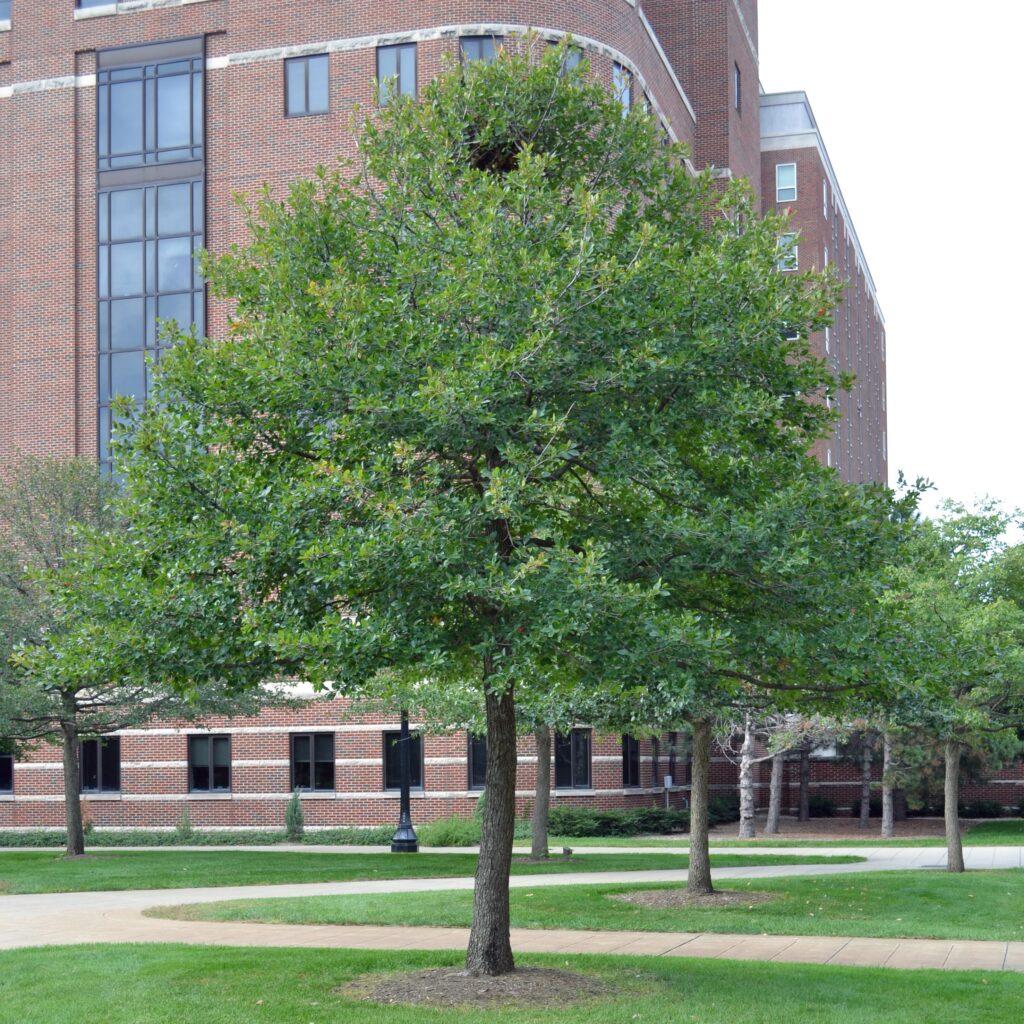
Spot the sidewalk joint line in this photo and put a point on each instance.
(839, 950)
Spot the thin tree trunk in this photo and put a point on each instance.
(888, 815)
(72, 790)
(954, 848)
(771, 826)
(490, 946)
(747, 828)
(866, 760)
(542, 795)
(699, 877)
(804, 809)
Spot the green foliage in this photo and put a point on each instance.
(567, 820)
(724, 809)
(821, 806)
(183, 830)
(43, 838)
(294, 821)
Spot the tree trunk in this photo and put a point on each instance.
(490, 946)
(699, 877)
(804, 809)
(747, 829)
(542, 795)
(865, 780)
(72, 790)
(888, 815)
(771, 826)
(954, 848)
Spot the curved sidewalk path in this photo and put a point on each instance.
(117, 917)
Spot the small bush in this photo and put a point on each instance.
(183, 830)
(723, 809)
(822, 806)
(981, 809)
(294, 822)
(876, 807)
(450, 831)
(583, 821)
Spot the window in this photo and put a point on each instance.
(572, 59)
(313, 761)
(483, 48)
(305, 85)
(622, 86)
(785, 183)
(83, 5)
(572, 760)
(209, 764)
(101, 765)
(828, 339)
(828, 458)
(673, 746)
(824, 199)
(737, 88)
(477, 759)
(826, 257)
(5, 10)
(393, 764)
(630, 761)
(6, 773)
(396, 71)
(789, 252)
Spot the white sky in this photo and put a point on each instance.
(919, 106)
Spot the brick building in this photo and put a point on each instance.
(125, 130)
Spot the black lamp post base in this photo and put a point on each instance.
(405, 841)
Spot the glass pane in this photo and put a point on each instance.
(176, 307)
(199, 751)
(301, 775)
(318, 84)
(392, 770)
(174, 264)
(126, 117)
(295, 86)
(103, 379)
(323, 744)
(416, 762)
(408, 71)
(581, 759)
(174, 109)
(197, 109)
(110, 765)
(127, 323)
(103, 324)
(563, 761)
(101, 216)
(128, 374)
(477, 761)
(126, 214)
(104, 445)
(221, 751)
(6, 773)
(300, 748)
(126, 268)
(200, 777)
(324, 778)
(221, 776)
(173, 209)
(90, 765)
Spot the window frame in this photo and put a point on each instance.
(305, 60)
(630, 762)
(465, 57)
(574, 739)
(383, 92)
(210, 738)
(789, 252)
(390, 738)
(779, 188)
(101, 743)
(313, 762)
(471, 742)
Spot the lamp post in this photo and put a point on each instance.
(404, 839)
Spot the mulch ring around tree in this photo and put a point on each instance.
(452, 986)
(676, 899)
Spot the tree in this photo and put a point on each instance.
(44, 506)
(959, 595)
(517, 405)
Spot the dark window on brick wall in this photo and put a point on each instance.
(483, 48)
(101, 765)
(306, 85)
(630, 761)
(737, 88)
(396, 71)
(6, 773)
(209, 764)
(572, 760)
(477, 761)
(313, 761)
(392, 761)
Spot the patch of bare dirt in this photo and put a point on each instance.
(677, 899)
(452, 986)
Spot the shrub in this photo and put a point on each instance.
(294, 822)
(876, 807)
(822, 806)
(583, 821)
(183, 829)
(723, 809)
(450, 831)
(981, 809)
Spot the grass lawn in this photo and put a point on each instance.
(203, 985)
(45, 871)
(923, 904)
(1009, 832)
